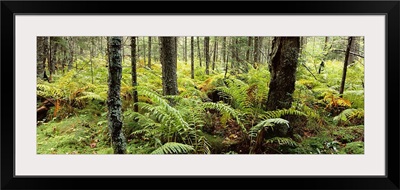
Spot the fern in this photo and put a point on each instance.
(348, 114)
(173, 148)
(282, 141)
(282, 112)
(268, 123)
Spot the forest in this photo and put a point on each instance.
(200, 95)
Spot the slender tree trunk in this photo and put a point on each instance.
(144, 50)
(249, 45)
(185, 50)
(198, 46)
(215, 53)
(168, 58)
(134, 76)
(114, 100)
(91, 55)
(207, 52)
(346, 62)
(149, 54)
(256, 50)
(192, 56)
(224, 49)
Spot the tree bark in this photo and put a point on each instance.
(285, 52)
(249, 45)
(256, 50)
(149, 54)
(114, 101)
(134, 76)
(40, 56)
(192, 56)
(346, 62)
(207, 52)
(215, 53)
(198, 47)
(168, 58)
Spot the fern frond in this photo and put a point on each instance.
(347, 114)
(282, 112)
(173, 148)
(282, 141)
(268, 123)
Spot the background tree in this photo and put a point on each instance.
(149, 54)
(168, 58)
(114, 101)
(198, 48)
(207, 53)
(134, 74)
(346, 62)
(192, 56)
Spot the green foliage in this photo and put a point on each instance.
(267, 124)
(173, 148)
(347, 115)
(282, 141)
(353, 148)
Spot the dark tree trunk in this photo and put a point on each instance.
(224, 49)
(198, 47)
(40, 56)
(192, 56)
(168, 60)
(285, 52)
(46, 56)
(53, 55)
(114, 101)
(149, 54)
(346, 62)
(134, 76)
(249, 45)
(144, 50)
(214, 54)
(256, 50)
(207, 52)
(185, 50)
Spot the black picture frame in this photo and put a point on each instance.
(11, 8)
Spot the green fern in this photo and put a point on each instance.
(282, 112)
(348, 114)
(282, 141)
(174, 148)
(268, 123)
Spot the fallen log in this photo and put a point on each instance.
(41, 112)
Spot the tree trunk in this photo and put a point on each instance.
(256, 50)
(285, 51)
(168, 58)
(198, 46)
(224, 49)
(71, 53)
(114, 101)
(144, 50)
(283, 72)
(134, 76)
(149, 54)
(353, 49)
(185, 51)
(207, 52)
(192, 56)
(39, 56)
(346, 62)
(249, 45)
(215, 53)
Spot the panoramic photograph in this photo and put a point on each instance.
(200, 95)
